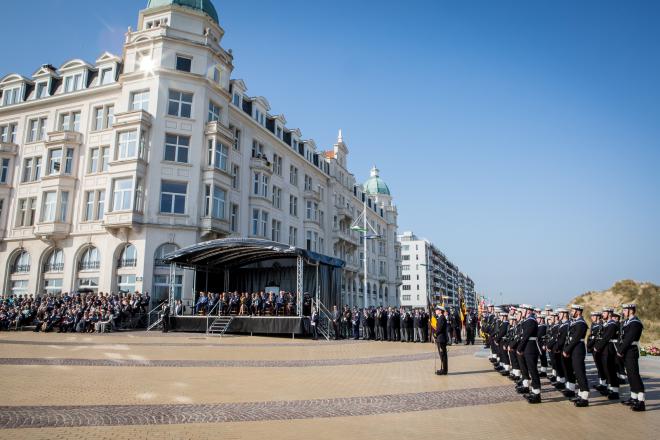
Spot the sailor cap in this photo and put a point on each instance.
(561, 310)
(555, 314)
(577, 307)
(629, 306)
(537, 310)
(595, 313)
(616, 314)
(527, 307)
(440, 308)
(608, 309)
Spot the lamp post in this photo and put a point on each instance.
(364, 228)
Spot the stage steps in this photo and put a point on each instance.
(325, 327)
(219, 326)
(155, 324)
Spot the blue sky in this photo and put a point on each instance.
(523, 138)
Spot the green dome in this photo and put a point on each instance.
(376, 185)
(199, 5)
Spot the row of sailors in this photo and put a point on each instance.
(523, 336)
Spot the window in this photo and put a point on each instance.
(257, 149)
(8, 133)
(4, 170)
(94, 205)
(264, 223)
(93, 166)
(176, 148)
(260, 185)
(235, 176)
(293, 175)
(217, 155)
(122, 194)
(42, 90)
(103, 117)
(127, 145)
(162, 286)
(37, 129)
(233, 218)
(256, 214)
(405, 297)
(405, 287)
(179, 104)
(26, 212)
(106, 76)
(237, 139)
(49, 206)
(55, 161)
(277, 197)
(214, 112)
(11, 96)
(21, 263)
(140, 100)
(89, 259)
(183, 64)
(70, 121)
(214, 202)
(64, 206)
(276, 230)
(312, 211)
(126, 283)
(173, 197)
(277, 164)
(73, 83)
(237, 100)
(55, 261)
(127, 257)
(105, 159)
(19, 287)
(293, 205)
(53, 286)
(308, 183)
(293, 236)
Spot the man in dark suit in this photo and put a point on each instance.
(314, 324)
(441, 339)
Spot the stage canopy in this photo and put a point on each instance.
(228, 253)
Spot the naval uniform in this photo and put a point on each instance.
(528, 346)
(540, 342)
(562, 373)
(628, 349)
(576, 350)
(605, 350)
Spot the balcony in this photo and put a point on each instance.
(342, 211)
(312, 194)
(133, 118)
(261, 163)
(348, 237)
(8, 148)
(123, 220)
(52, 230)
(53, 268)
(20, 268)
(125, 263)
(89, 265)
(215, 128)
(214, 227)
(66, 137)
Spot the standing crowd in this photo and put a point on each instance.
(527, 344)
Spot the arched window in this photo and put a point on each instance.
(89, 259)
(128, 256)
(163, 250)
(55, 261)
(161, 285)
(21, 263)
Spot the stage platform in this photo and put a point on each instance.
(256, 325)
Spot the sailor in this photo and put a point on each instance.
(522, 364)
(595, 335)
(560, 363)
(605, 351)
(550, 340)
(515, 375)
(508, 356)
(575, 351)
(501, 332)
(488, 330)
(529, 349)
(543, 329)
(628, 350)
(620, 369)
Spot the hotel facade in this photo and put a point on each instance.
(109, 166)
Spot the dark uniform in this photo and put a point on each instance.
(563, 376)
(501, 332)
(165, 316)
(577, 352)
(542, 332)
(628, 350)
(528, 346)
(441, 341)
(605, 351)
(595, 335)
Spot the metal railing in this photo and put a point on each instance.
(208, 315)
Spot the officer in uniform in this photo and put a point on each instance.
(628, 350)
(441, 339)
(595, 336)
(605, 351)
(165, 316)
(562, 370)
(528, 348)
(575, 351)
(543, 329)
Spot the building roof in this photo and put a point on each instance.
(200, 5)
(376, 185)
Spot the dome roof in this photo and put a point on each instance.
(376, 185)
(199, 5)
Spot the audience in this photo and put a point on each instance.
(246, 304)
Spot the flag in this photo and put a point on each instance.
(434, 322)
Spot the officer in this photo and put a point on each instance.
(529, 349)
(595, 335)
(562, 334)
(605, 351)
(575, 351)
(470, 327)
(543, 329)
(165, 316)
(441, 339)
(628, 350)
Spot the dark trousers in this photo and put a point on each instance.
(531, 356)
(569, 373)
(166, 324)
(442, 351)
(608, 361)
(470, 335)
(599, 359)
(457, 334)
(523, 366)
(315, 332)
(514, 360)
(577, 358)
(631, 362)
(356, 331)
(544, 358)
(335, 327)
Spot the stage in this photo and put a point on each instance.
(254, 325)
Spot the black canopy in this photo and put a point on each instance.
(239, 252)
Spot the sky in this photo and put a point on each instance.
(521, 137)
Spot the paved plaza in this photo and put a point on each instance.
(138, 385)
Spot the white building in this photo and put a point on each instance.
(429, 276)
(106, 167)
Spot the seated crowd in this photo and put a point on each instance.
(245, 304)
(83, 312)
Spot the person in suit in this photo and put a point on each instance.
(165, 316)
(356, 323)
(314, 324)
(441, 340)
(336, 318)
(179, 308)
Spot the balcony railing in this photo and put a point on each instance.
(21, 268)
(127, 262)
(89, 265)
(54, 267)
